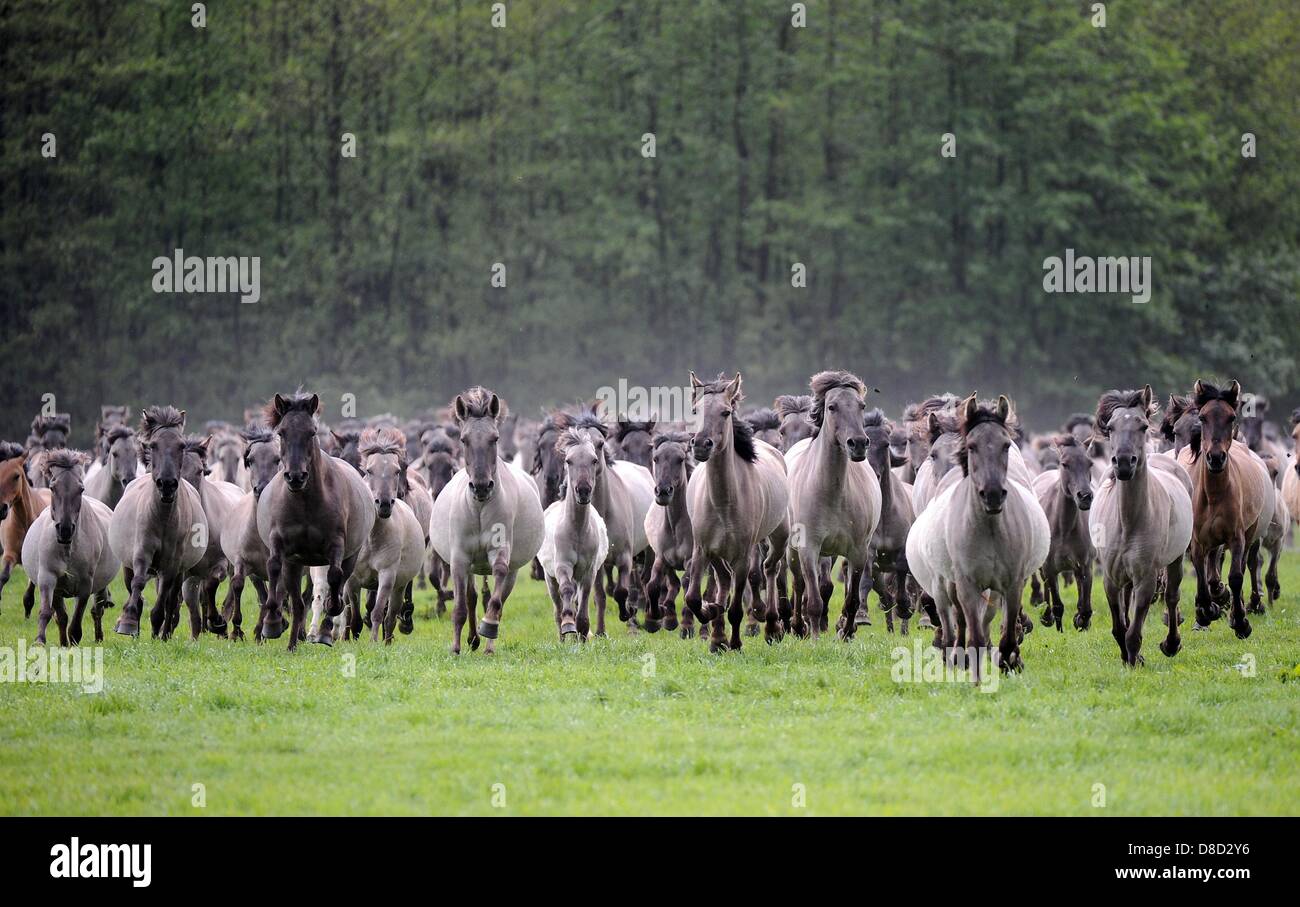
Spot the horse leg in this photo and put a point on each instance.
(725, 579)
(97, 614)
(190, 589)
(827, 588)
(1204, 603)
(406, 617)
(461, 582)
(1270, 578)
(1009, 645)
(128, 622)
(74, 629)
(390, 610)
(654, 593)
(270, 622)
(846, 626)
(1143, 594)
(742, 573)
(1173, 578)
(584, 618)
(799, 606)
(973, 606)
(293, 581)
(47, 611)
(1055, 613)
(557, 605)
(1253, 559)
(6, 567)
(230, 606)
(670, 603)
(772, 626)
(814, 600)
(1036, 592)
(881, 589)
(1083, 609)
(694, 581)
(29, 600)
(1118, 623)
(213, 622)
(1237, 620)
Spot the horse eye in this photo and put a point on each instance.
(726, 414)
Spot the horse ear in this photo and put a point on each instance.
(313, 405)
(971, 406)
(1004, 407)
(650, 426)
(695, 382)
(1233, 394)
(494, 406)
(459, 407)
(932, 424)
(733, 389)
(281, 405)
(337, 437)
(1147, 396)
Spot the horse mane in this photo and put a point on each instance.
(441, 444)
(764, 419)
(1207, 393)
(10, 450)
(742, 439)
(875, 418)
(297, 402)
(118, 432)
(566, 421)
(792, 405)
(946, 422)
(196, 444)
(478, 404)
(1116, 399)
(256, 435)
(937, 403)
(823, 383)
(1178, 407)
(57, 422)
(383, 441)
(64, 458)
(157, 418)
(571, 437)
(986, 411)
(673, 437)
(347, 436)
(625, 427)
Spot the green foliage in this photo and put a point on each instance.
(522, 145)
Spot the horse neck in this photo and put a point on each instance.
(723, 465)
(1134, 497)
(886, 489)
(1068, 505)
(832, 463)
(1216, 486)
(576, 514)
(675, 511)
(25, 505)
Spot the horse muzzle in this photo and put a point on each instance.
(65, 534)
(1084, 500)
(295, 481)
(482, 491)
(993, 500)
(167, 490)
(384, 509)
(583, 495)
(857, 448)
(663, 495)
(702, 449)
(1216, 462)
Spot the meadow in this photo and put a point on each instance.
(653, 724)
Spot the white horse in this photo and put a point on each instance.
(576, 542)
(981, 538)
(487, 521)
(66, 551)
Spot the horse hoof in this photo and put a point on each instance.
(237, 636)
(772, 636)
(687, 633)
(569, 636)
(324, 639)
(1170, 650)
(751, 629)
(1242, 629)
(717, 648)
(405, 625)
(670, 623)
(651, 626)
(272, 629)
(474, 644)
(126, 627)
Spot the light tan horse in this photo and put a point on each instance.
(834, 501)
(736, 498)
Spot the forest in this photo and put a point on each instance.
(550, 197)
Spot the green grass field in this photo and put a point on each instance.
(604, 729)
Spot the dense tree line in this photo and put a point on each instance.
(775, 145)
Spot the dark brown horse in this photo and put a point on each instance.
(1232, 503)
(316, 512)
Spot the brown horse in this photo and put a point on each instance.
(1232, 503)
(316, 512)
(20, 505)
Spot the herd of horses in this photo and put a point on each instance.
(753, 517)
